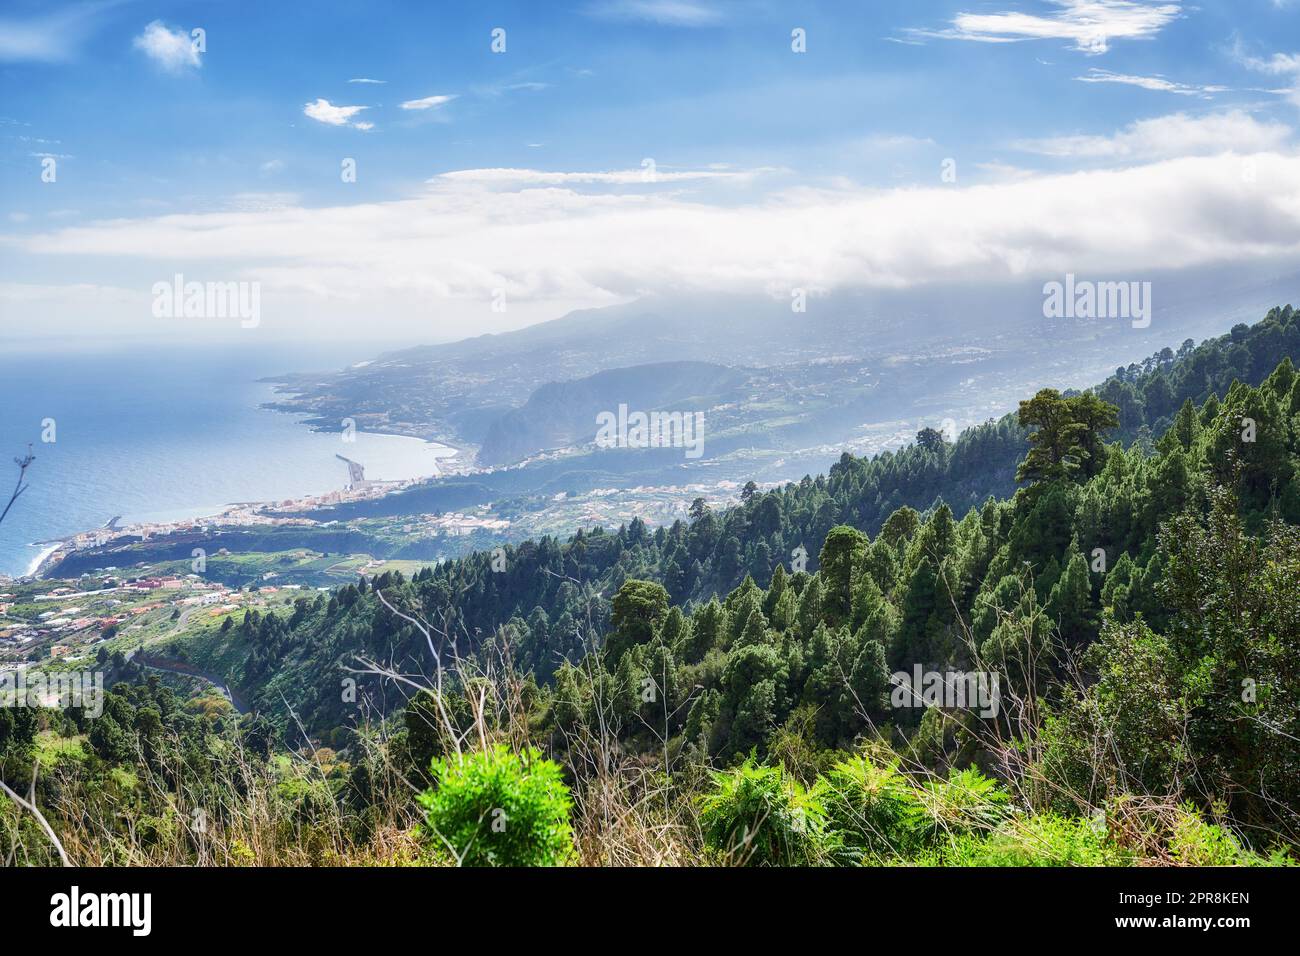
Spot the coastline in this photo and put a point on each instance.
(224, 447)
(34, 569)
(242, 513)
(288, 395)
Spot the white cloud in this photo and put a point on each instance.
(1004, 172)
(173, 50)
(678, 13)
(1279, 64)
(1091, 24)
(494, 90)
(50, 39)
(882, 141)
(364, 79)
(323, 111)
(1175, 135)
(618, 177)
(428, 102)
(433, 260)
(262, 202)
(89, 293)
(1157, 83)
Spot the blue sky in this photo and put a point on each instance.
(161, 149)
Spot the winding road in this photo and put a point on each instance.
(171, 666)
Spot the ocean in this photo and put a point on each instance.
(163, 434)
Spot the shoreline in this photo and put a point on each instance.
(242, 513)
(33, 569)
(307, 471)
(288, 398)
(313, 418)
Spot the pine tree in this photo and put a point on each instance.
(1070, 605)
(842, 552)
(810, 607)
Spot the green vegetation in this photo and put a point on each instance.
(698, 699)
(757, 815)
(498, 808)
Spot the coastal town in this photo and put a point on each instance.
(117, 603)
(288, 512)
(71, 622)
(298, 519)
(67, 622)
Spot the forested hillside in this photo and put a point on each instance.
(1115, 642)
(550, 591)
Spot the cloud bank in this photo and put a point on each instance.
(435, 260)
(1178, 134)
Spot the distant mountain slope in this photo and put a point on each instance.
(543, 591)
(453, 392)
(564, 413)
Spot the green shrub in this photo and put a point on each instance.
(1193, 842)
(871, 808)
(303, 799)
(759, 816)
(1047, 839)
(499, 808)
(967, 802)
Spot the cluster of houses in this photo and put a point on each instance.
(81, 619)
(454, 524)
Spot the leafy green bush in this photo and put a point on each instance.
(1047, 839)
(1193, 842)
(759, 816)
(871, 807)
(499, 808)
(967, 802)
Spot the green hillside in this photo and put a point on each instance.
(550, 587)
(1114, 644)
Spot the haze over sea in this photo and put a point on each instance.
(164, 433)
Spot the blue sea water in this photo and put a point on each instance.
(164, 434)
